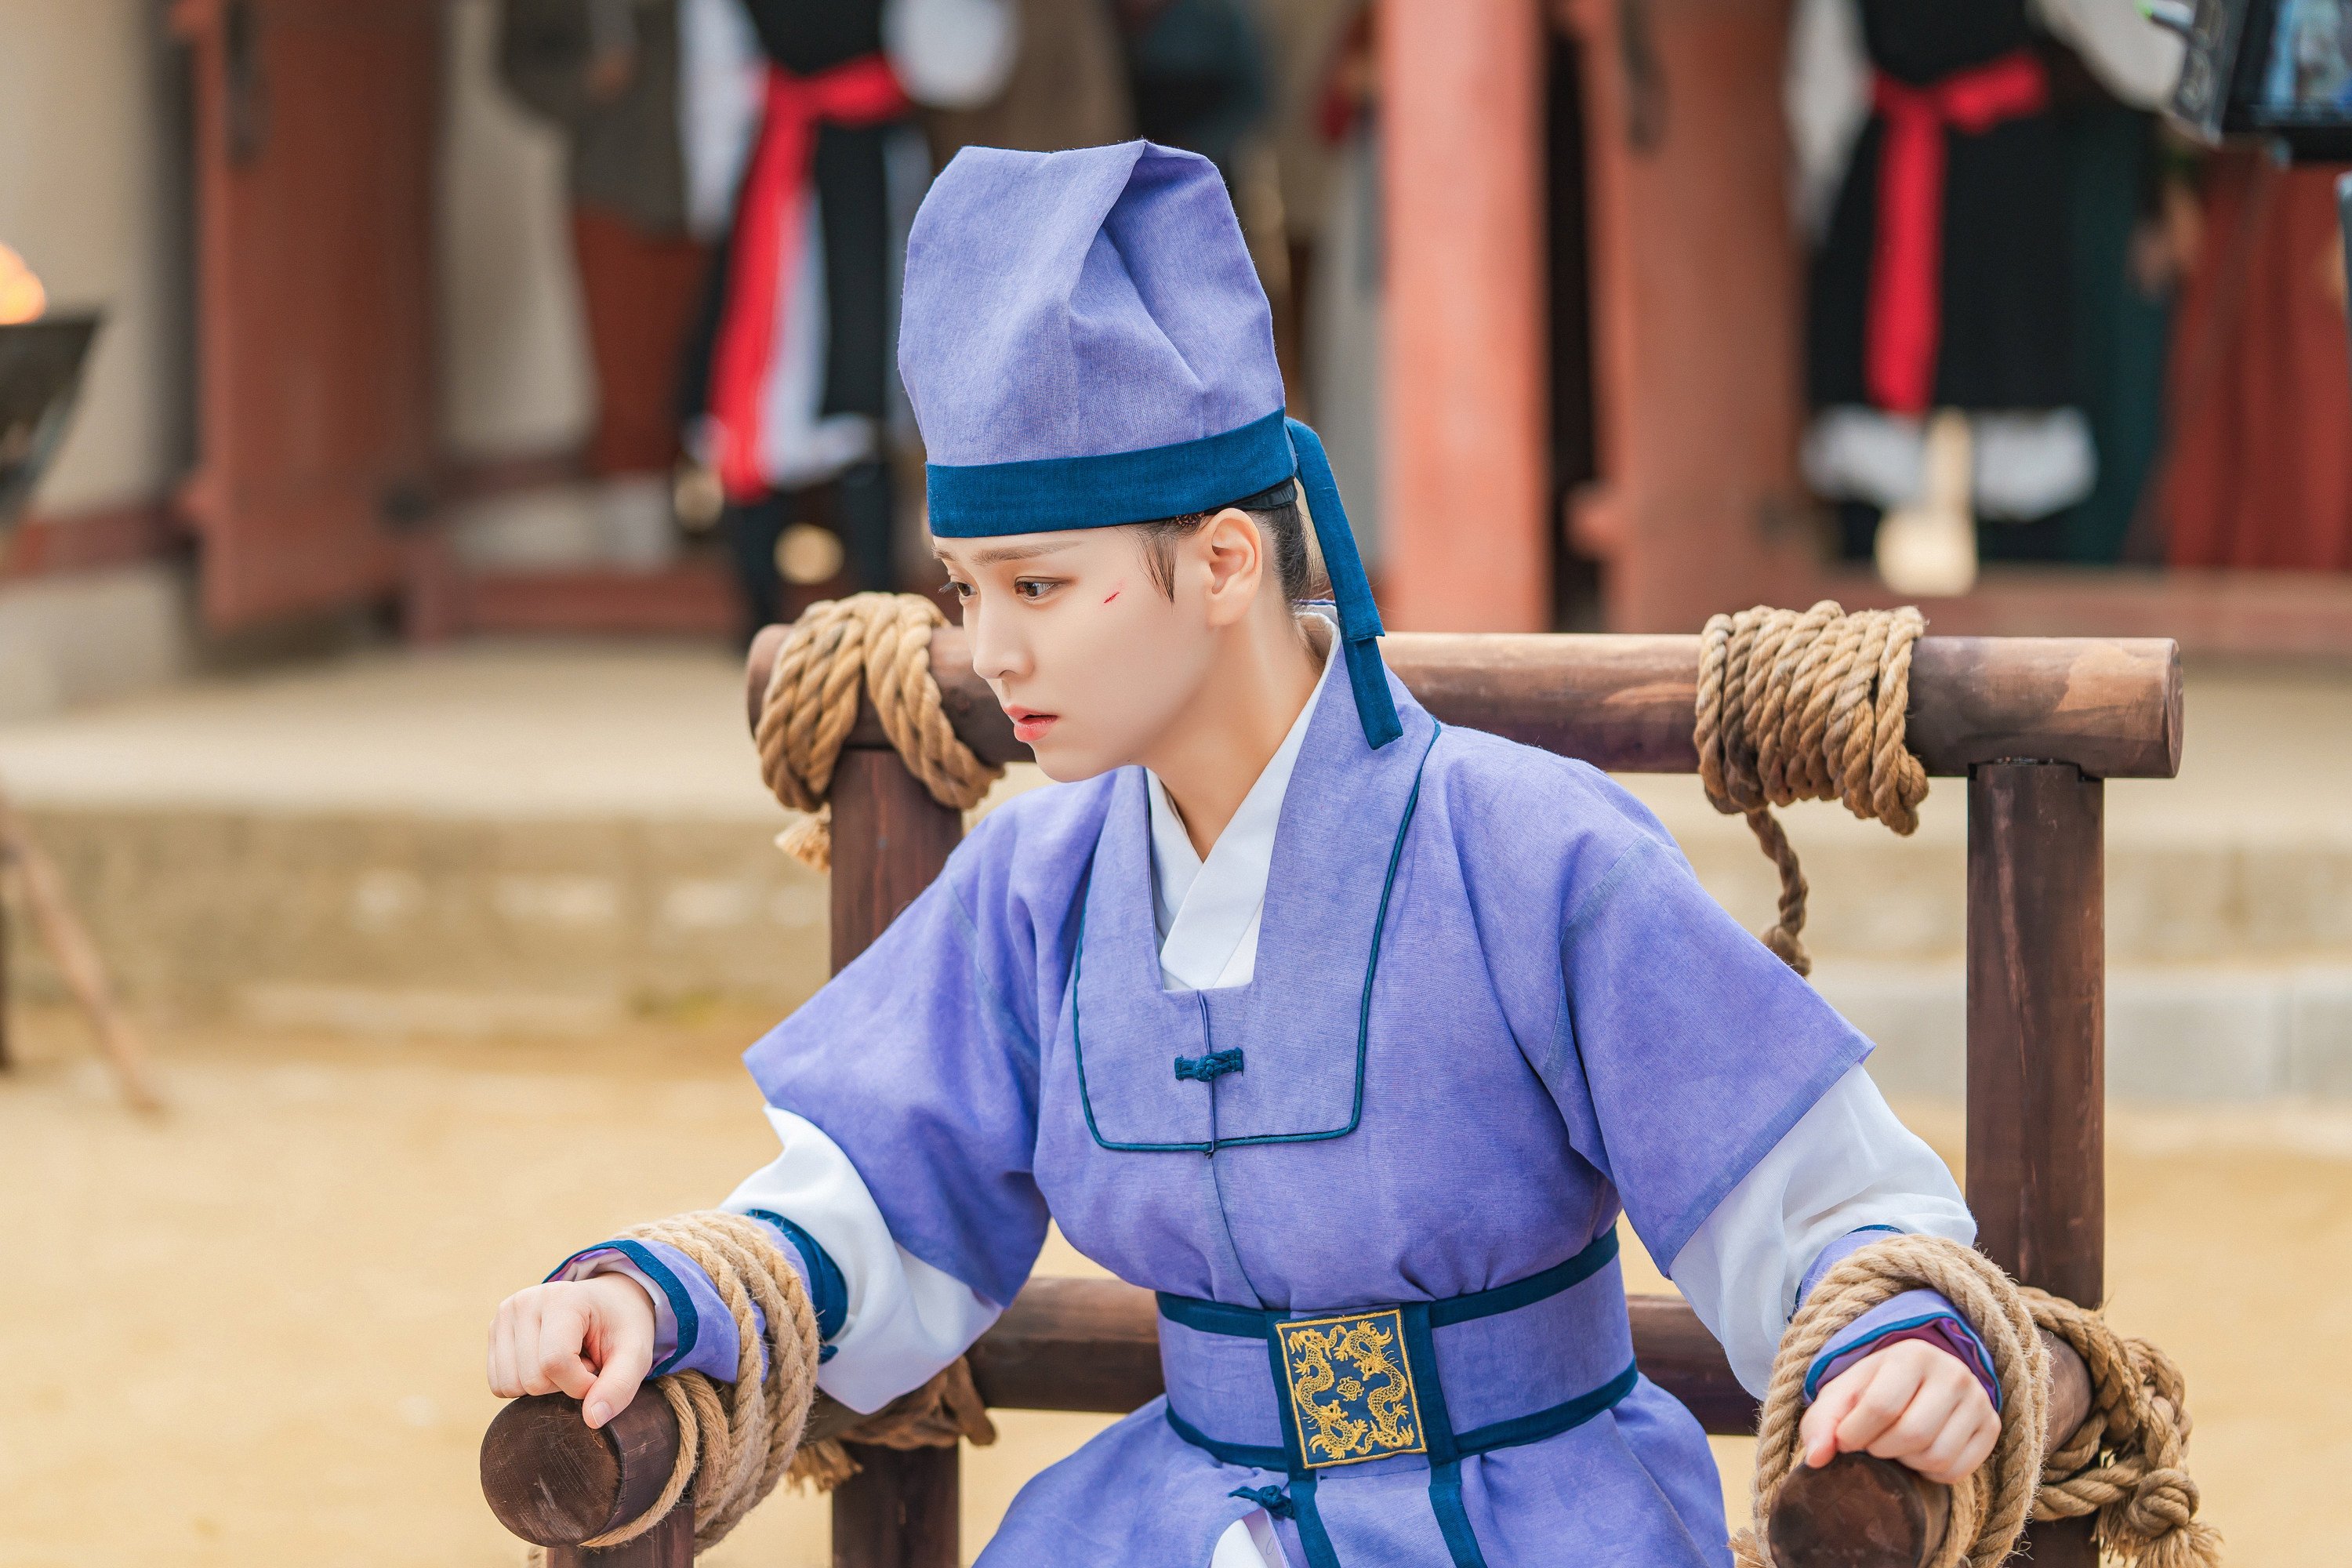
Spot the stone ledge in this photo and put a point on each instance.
(2184, 1035)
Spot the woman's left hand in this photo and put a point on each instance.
(1911, 1402)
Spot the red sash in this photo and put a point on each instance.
(1905, 321)
(770, 224)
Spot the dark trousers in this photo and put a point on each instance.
(856, 507)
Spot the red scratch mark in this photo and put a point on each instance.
(1114, 593)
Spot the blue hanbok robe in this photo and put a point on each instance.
(1492, 1008)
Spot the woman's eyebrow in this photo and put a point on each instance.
(997, 554)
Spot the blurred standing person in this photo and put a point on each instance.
(804, 111)
(607, 73)
(1197, 71)
(1067, 87)
(2258, 471)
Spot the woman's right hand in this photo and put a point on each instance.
(591, 1339)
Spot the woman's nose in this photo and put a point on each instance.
(995, 656)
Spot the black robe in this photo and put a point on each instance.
(2005, 342)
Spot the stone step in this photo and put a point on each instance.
(508, 837)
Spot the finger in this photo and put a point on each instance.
(1881, 1403)
(1959, 1449)
(530, 1329)
(624, 1368)
(541, 1354)
(506, 1374)
(562, 1334)
(1935, 1405)
(1819, 1430)
(1947, 1459)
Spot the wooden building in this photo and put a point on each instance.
(1593, 361)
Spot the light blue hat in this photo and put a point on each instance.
(1085, 344)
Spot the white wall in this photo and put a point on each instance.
(81, 199)
(515, 376)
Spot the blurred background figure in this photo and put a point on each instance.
(1973, 177)
(2258, 473)
(1336, 270)
(607, 73)
(804, 109)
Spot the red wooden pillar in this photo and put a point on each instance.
(1462, 122)
(1697, 310)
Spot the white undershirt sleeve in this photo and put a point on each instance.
(1848, 1164)
(906, 1320)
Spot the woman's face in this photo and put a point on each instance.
(1091, 658)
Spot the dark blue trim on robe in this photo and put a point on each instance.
(1363, 1013)
(828, 1291)
(682, 1304)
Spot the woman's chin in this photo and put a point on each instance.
(1065, 762)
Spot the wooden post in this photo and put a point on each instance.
(2037, 1080)
(889, 840)
(550, 1479)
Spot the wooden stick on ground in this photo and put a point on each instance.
(61, 932)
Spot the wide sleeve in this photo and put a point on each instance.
(1847, 1172)
(1686, 1051)
(919, 1063)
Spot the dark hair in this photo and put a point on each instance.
(1279, 522)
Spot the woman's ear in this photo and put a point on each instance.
(1236, 553)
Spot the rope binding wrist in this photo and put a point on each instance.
(2127, 1464)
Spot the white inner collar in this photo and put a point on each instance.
(1209, 911)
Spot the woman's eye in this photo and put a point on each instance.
(962, 590)
(1032, 587)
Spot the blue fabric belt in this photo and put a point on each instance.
(1363, 1385)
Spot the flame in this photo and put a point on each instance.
(21, 298)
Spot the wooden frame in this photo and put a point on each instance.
(2034, 725)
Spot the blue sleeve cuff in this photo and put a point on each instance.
(693, 1330)
(828, 1292)
(685, 1302)
(1912, 1315)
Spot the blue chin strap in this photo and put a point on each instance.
(1360, 618)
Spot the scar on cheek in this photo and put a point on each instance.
(1115, 592)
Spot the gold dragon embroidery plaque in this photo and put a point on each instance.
(1352, 1392)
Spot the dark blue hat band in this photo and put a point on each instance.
(1053, 495)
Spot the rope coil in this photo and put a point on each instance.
(1807, 705)
(736, 1441)
(874, 645)
(2126, 1463)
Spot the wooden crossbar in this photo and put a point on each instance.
(2036, 725)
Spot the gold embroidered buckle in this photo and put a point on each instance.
(1352, 1395)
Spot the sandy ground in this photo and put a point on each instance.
(251, 1333)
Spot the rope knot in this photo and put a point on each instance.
(1807, 705)
(877, 646)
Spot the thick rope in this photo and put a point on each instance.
(1807, 705)
(736, 1441)
(2125, 1463)
(2129, 1464)
(1988, 1509)
(880, 644)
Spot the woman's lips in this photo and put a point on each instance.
(1029, 727)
